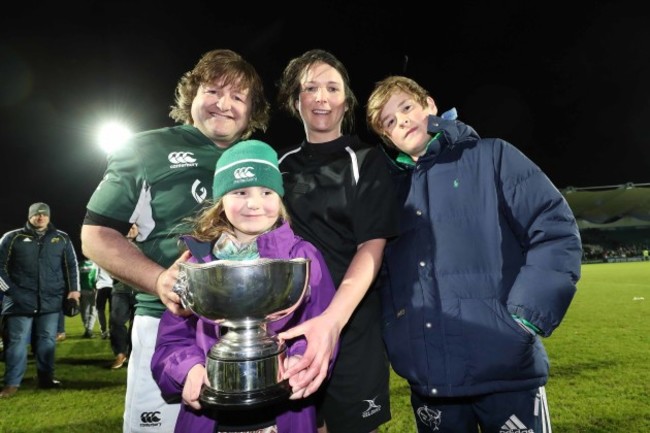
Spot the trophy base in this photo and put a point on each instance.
(245, 399)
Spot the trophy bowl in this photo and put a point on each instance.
(245, 366)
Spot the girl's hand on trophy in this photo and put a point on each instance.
(195, 379)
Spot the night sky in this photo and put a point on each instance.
(569, 88)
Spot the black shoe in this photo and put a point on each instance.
(89, 334)
(47, 381)
(49, 384)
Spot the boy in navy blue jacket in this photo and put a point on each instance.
(486, 263)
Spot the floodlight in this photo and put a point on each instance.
(113, 135)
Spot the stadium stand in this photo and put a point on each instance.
(614, 221)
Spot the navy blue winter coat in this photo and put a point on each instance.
(35, 274)
(484, 234)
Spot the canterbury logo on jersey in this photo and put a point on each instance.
(244, 173)
(182, 159)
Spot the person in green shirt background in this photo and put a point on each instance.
(87, 280)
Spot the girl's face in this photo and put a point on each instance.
(321, 103)
(252, 211)
(405, 122)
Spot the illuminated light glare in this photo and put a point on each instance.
(112, 136)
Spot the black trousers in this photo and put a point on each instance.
(121, 321)
(103, 296)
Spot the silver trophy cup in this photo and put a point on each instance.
(245, 366)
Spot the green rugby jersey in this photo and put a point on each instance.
(156, 180)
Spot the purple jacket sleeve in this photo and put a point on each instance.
(176, 352)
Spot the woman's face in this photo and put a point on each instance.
(321, 103)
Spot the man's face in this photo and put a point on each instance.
(221, 112)
(40, 221)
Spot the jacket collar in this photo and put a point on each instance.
(333, 146)
(29, 228)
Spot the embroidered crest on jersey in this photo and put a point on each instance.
(199, 192)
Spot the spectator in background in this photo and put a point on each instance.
(122, 311)
(121, 322)
(2, 329)
(87, 281)
(104, 287)
(60, 327)
(38, 266)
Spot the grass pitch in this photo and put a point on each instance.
(600, 369)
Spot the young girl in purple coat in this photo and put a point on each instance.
(246, 221)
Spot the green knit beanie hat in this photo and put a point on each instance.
(247, 163)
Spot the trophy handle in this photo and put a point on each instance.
(283, 313)
(181, 289)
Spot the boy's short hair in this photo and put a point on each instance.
(382, 92)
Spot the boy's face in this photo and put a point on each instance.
(404, 121)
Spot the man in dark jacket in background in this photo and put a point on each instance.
(122, 312)
(486, 262)
(38, 268)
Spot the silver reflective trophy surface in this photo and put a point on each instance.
(245, 366)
